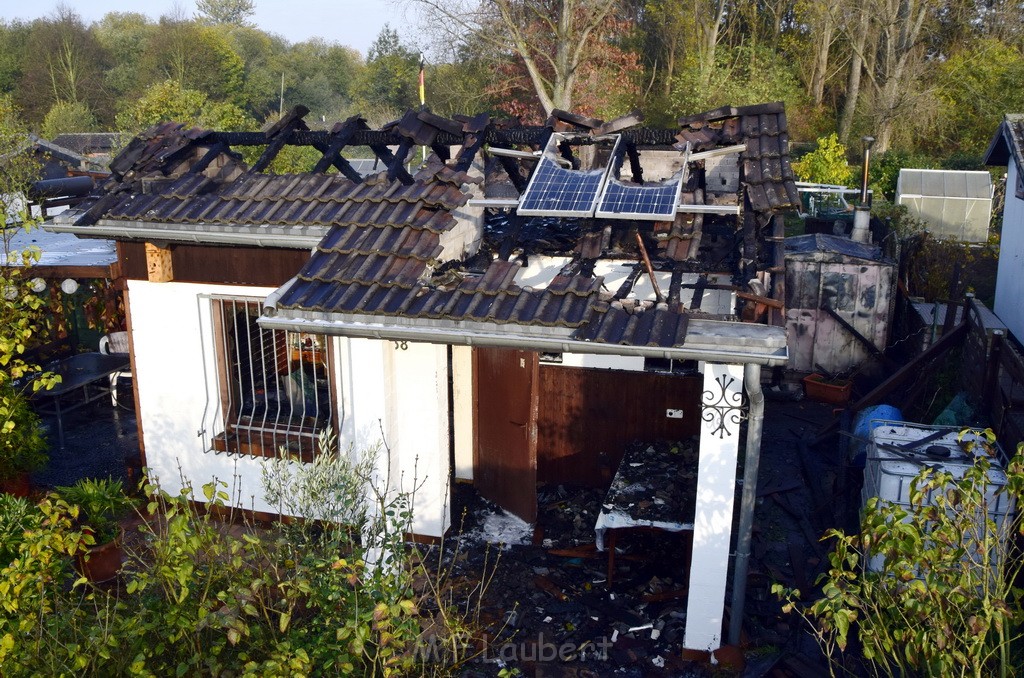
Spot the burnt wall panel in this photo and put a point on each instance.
(588, 417)
(270, 267)
(132, 257)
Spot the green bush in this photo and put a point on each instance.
(826, 164)
(944, 601)
(200, 595)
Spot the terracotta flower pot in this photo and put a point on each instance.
(102, 562)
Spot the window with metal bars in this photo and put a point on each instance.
(274, 386)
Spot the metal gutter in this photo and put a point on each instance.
(151, 233)
(755, 423)
(471, 336)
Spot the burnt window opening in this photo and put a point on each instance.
(670, 366)
(274, 386)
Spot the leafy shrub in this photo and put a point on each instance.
(944, 600)
(202, 596)
(826, 164)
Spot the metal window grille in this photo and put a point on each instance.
(274, 386)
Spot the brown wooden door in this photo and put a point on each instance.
(505, 385)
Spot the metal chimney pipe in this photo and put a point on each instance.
(867, 141)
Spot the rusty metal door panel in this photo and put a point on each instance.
(505, 428)
(588, 417)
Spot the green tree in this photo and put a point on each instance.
(319, 75)
(124, 35)
(233, 12)
(162, 102)
(67, 116)
(197, 56)
(976, 86)
(826, 164)
(63, 61)
(13, 43)
(390, 79)
(743, 75)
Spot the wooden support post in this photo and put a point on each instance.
(650, 269)
(158, 263)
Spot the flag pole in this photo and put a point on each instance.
(423, 100)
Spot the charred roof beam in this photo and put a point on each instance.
(341, 135)
(278, 136)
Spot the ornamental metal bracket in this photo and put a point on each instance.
(725, 410)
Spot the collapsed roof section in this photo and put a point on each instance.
(424, 255)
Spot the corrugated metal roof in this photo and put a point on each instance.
(945, 183)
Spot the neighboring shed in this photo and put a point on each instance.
(1007, 150)
(955, 204)
(850, 278)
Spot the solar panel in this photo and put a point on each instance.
(656, 202)
(555, 191)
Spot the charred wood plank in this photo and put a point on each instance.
(340, 137)
(208, 157)
(634, 163)
(396, 168)
(864, 341)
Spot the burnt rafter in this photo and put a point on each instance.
(212, 153)
(474, 134)
(278, 135)
(341, 136)
(396, 167)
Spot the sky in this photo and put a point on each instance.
(349, 22)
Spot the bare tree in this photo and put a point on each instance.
(553, 39)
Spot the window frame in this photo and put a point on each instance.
(279, 398)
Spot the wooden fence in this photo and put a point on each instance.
(993, 373)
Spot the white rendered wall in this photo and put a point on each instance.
(383, 391)
(417, 430)
(1010, 276)
(176, 381)
(716, 490)
(462, 392)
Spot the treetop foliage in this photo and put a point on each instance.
(925, 79)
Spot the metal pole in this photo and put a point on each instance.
(755, 422)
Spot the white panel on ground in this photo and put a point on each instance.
(721, 415)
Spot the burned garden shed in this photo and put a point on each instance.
(839, 296)
(517, 309)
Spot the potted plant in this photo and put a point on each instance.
(22, 442)
(102, 503)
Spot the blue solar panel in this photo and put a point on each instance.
(556, 191)
(656, 202)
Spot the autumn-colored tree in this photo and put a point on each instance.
(553, 40)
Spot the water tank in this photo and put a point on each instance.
(897, 452)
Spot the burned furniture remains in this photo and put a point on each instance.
(655, 488)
